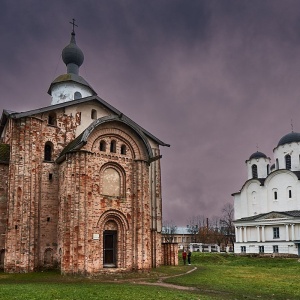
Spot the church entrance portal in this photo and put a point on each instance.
(110, 248)
(2, 254)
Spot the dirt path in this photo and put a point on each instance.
(168, 285)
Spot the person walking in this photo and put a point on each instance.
(184, 256)
(189, 254)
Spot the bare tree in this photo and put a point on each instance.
(227, 223)
(194, 225)
(168, 231)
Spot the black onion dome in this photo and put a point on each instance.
(72, 54)
(258, 154)
(292, 137)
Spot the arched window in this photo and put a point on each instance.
(94, 114)
(102, 146)
(113, 147)
(288, 162)
(123, 149)
(77, 95)
(52, 118)
(48, 151)
(254, 171)
(277, 164)
(275, 194)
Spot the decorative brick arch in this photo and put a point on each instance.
(119, 123)
(115, 215)
(108, 134)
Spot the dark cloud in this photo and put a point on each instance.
(212, 78)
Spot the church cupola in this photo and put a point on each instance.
(287, 152)
(72, 56)
(258, 165)
(70, 86)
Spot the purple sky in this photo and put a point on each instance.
(212, 78)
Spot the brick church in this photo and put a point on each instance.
(80, 183)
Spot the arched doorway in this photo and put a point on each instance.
(110, 248)
(2, 255)
(114, 239)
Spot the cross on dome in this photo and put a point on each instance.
(73, 23)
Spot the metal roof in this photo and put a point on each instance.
(97, 99)
(291, 137)
(291, 213)
(70, 77)
(258, 154)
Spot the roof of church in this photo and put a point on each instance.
(4, 153)
(291, 213)
(14, 115)
(70, 77)
(289, 138)
(258, 154)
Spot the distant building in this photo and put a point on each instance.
(267, 208)
(180, 235)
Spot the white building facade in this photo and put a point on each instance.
(267, 208)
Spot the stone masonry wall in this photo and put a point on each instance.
(31, 239)
(3, 208)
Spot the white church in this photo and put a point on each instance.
(267, 208)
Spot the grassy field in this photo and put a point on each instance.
(218, 276)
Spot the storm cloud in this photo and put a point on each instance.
(215, 79)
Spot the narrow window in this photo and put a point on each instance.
(275, 249)
(123, 149)
(52, 119)
(275, 232)
(254, 171)
(290, 194)
(268, 169)
(48, 219)
(94, 114)
(77, 95)
(50, 176)
(275, 195)
(277, 164)
(113, 146)
(102, 146)
(288, 162)
(48, 151)
(261, 249)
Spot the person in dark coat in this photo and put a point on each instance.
(189, 254)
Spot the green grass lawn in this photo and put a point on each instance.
(237, 277)
(218, 276)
